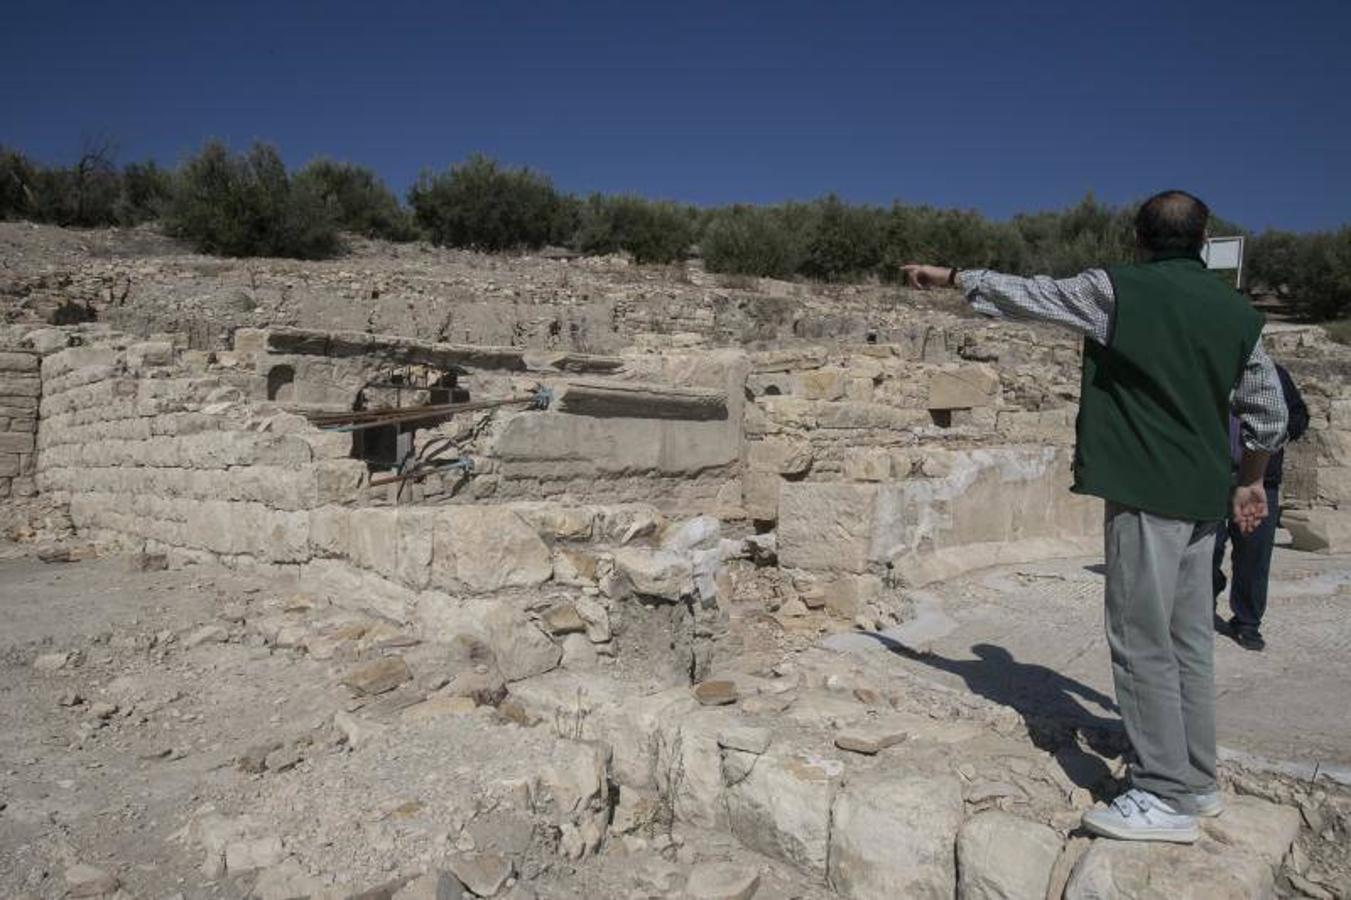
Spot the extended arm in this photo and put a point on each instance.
(1083, 304)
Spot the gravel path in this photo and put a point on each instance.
(1031, 637)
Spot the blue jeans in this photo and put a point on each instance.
(1251, 565)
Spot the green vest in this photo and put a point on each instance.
(1152, 432)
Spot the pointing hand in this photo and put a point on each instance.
(925, 277)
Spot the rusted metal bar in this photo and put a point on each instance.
(362, 419)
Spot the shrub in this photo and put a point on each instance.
(481, 206)
(247, 205)
(145, 193)
(83, 195)
(16, 184)
(948, 237)
(363, 204)
(844, 242)
(652, 231)
(1313, 270)
(750, 240)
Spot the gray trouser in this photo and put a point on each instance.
(1160, 629)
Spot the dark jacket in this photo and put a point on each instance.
(1294, 430)
(1299, 423)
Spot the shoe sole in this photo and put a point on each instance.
(1165, 835)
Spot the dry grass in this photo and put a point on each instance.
(1339, 331)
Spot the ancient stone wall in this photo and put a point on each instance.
(1316, 493)
(899, 464)
(873, 465)
(20, 389)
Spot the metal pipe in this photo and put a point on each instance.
(358, 420)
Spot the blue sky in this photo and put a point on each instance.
(999, 106)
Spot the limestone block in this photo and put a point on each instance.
(150, 353)
(487, 548)
(575, 568)
(248, 342)
(414, 552)
(789, 412)
(282, 488)
(698, 533)
(1333, 447)
(285, 536)
(339, 480)
(217, 449)
(893, 835)
(638, 730)
(859, 390)
(689, 766)
(1319, 530)
(775, 384)
(867, 464)
(825, 526)
(17, 442)
(356, 589)
(846, 594)
(780, 805)
(694, 447)
(1334, 485)
(28, 405)
(1252, 826)
(781, 455)
(846, 414)
(611, 446)
(328, 531)
(635, 400)
(823, 384)
(67, 360)
(283, 450)
(1004, 857)
(576, 778)
(521, 649)
(9, 465)
(788, 360)
(1141, 871)
(328, 444)
(18, 362)
(623, 523)
(46, 340)
(967, 386)
(373, 539)
(556, 522)
(655, 573)
(722, 881)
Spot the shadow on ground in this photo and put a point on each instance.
(1050, 702)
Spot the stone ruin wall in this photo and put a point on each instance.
(864, 466)
(20, 391)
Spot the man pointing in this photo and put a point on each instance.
(1166, 346)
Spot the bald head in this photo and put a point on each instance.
(1171, 222)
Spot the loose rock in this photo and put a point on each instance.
(722, 881)
(482, 873)
(87, 881)
(377, 677)
(716, 693)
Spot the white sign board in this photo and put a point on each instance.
(1225, 253)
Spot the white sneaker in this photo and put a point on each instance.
(1140, 816)
(1209, 804)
